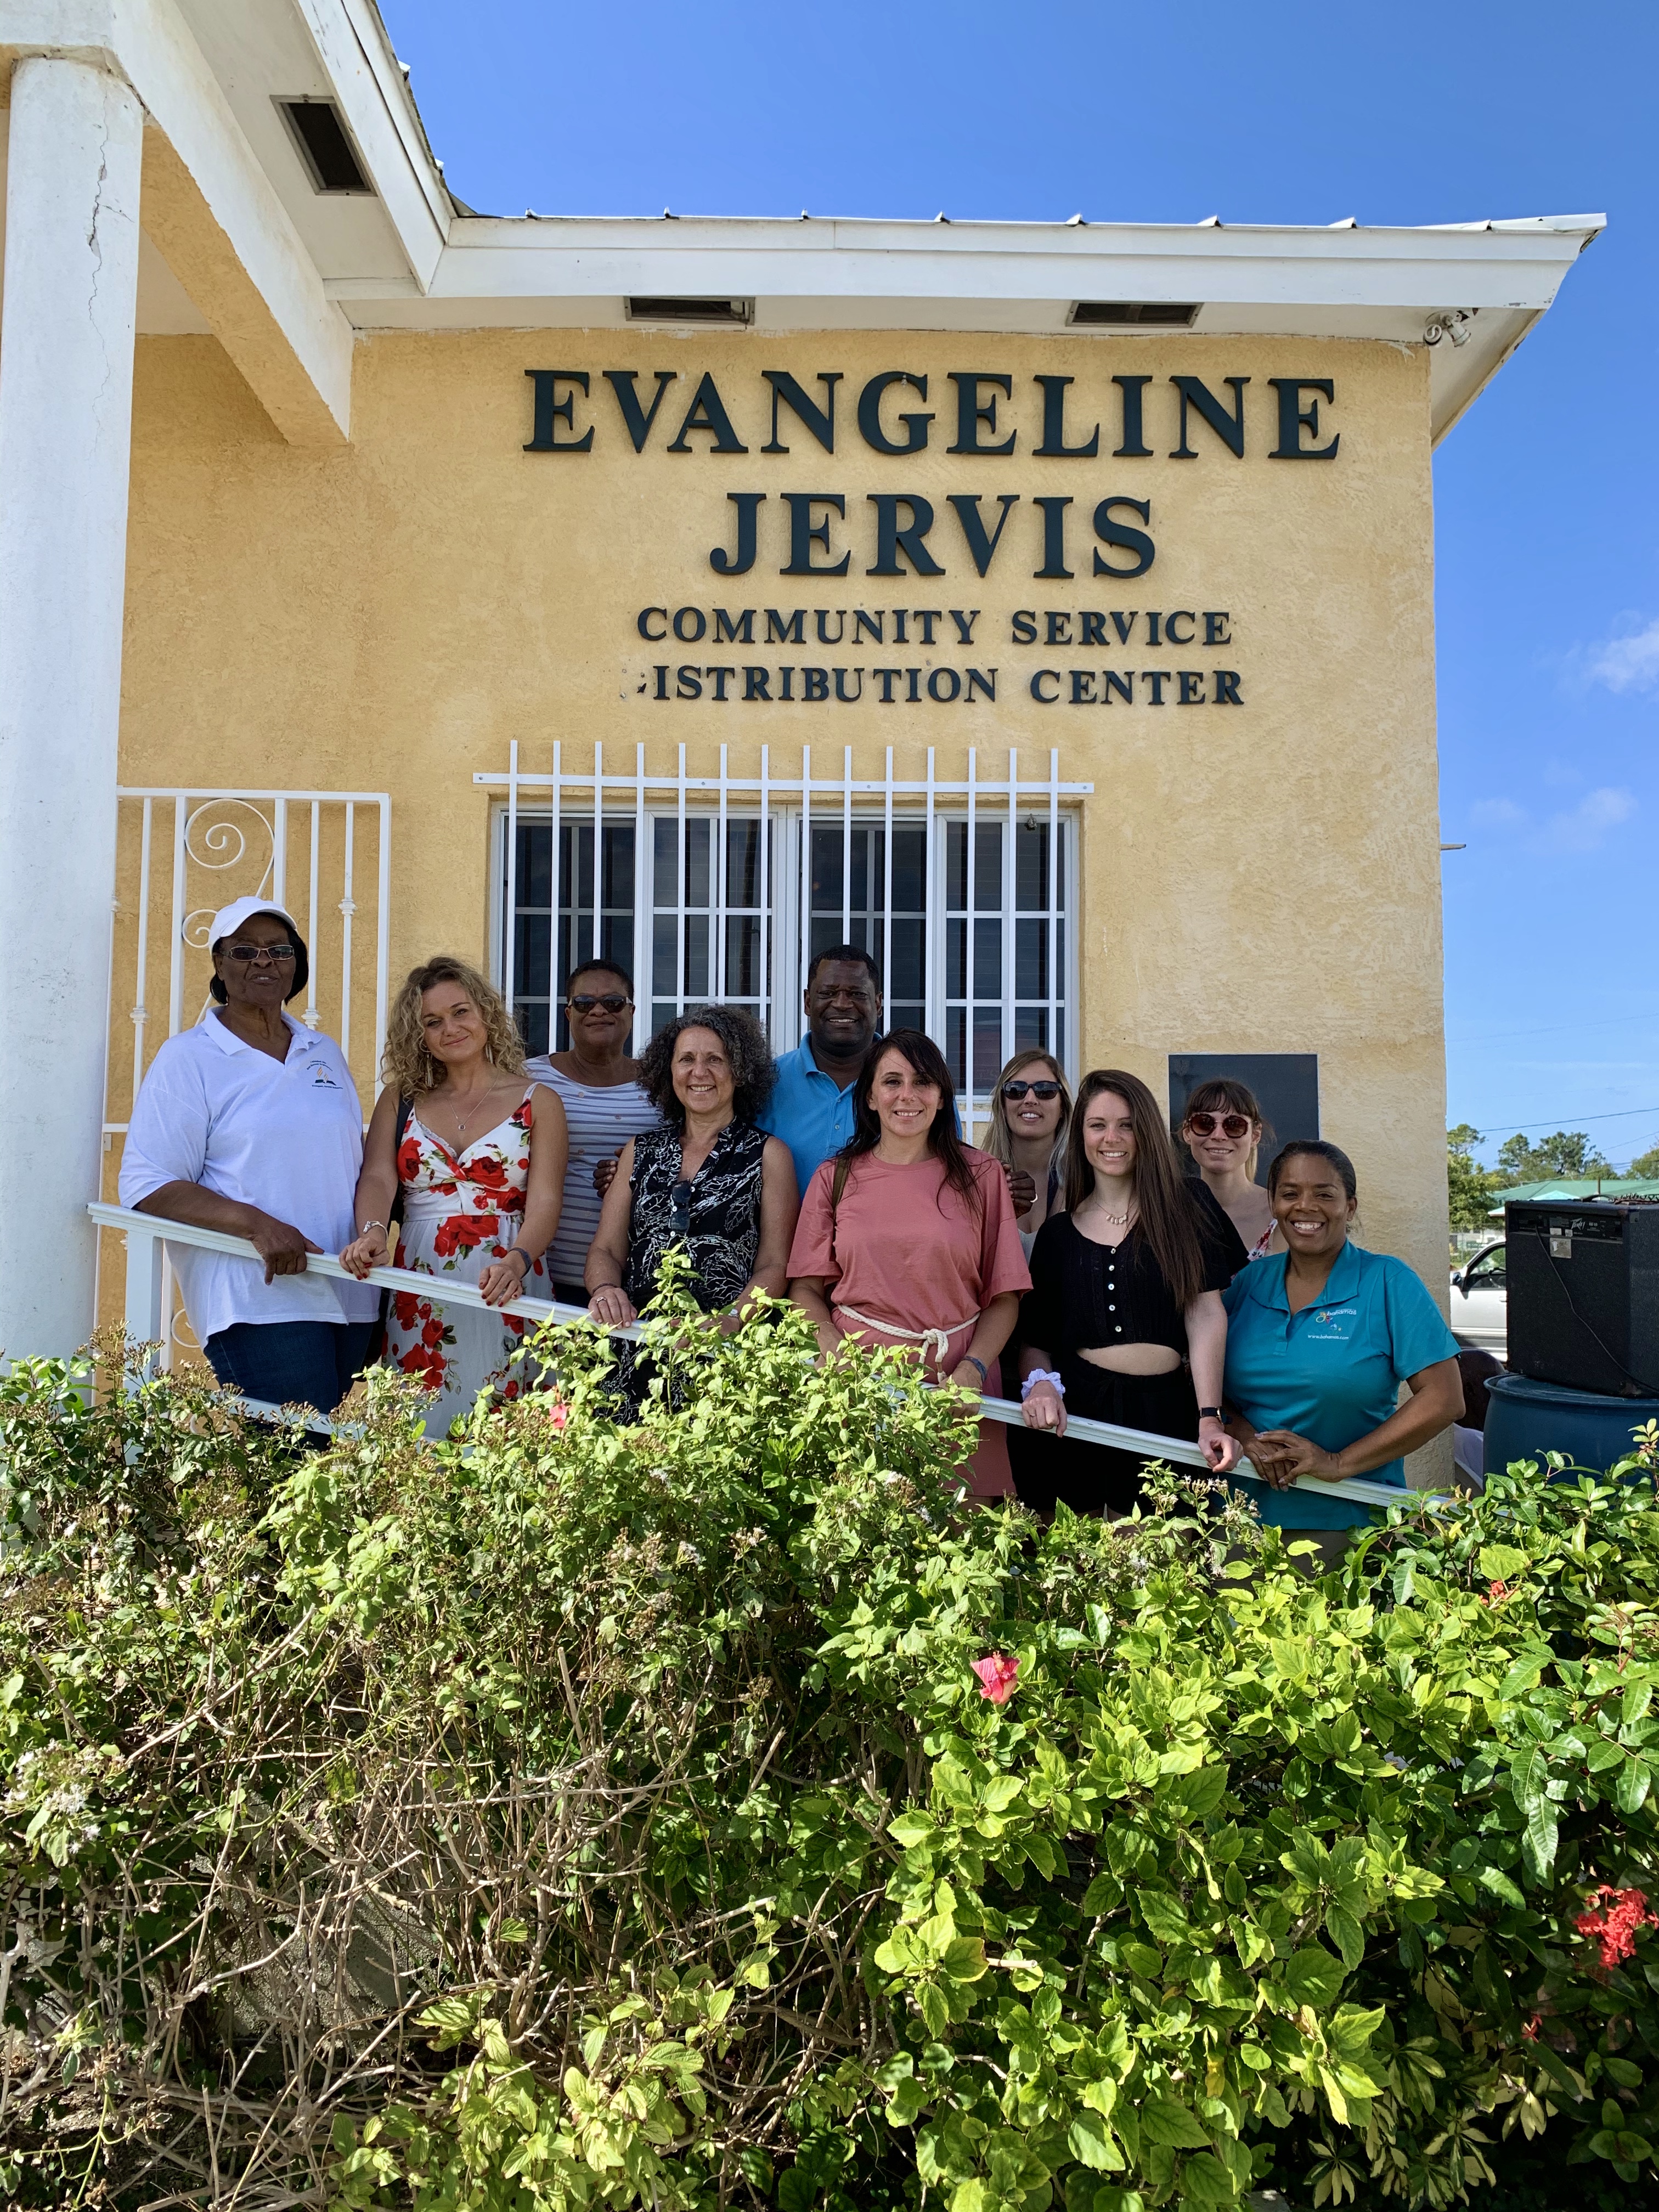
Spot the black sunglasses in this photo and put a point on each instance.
(1015, 1091)
(612, 1001)
(679, 1207)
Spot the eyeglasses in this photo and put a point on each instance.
(248, 953)
(1230, 1125)
(679, 1207)
(1015, 1091)
(612, 1001)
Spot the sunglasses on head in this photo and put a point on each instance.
(612, 1001)
(1015, 1091)
(1229, 1124)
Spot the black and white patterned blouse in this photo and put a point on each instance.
(719, 1218)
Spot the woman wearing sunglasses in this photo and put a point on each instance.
(1223, 1130)
(604, 1105)
(1124, 1322)
(1031, 1108)
(249, 1122)
(707, 1180)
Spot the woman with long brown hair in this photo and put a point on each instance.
(472, 1155)
(906, 1236)
(1124, 1321)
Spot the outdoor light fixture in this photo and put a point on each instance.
(1453, 322)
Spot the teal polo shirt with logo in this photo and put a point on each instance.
(1331, 1373)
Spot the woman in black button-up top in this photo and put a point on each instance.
(1124, 1320)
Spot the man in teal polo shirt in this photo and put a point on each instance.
(1319, 1341)
(810, 1108)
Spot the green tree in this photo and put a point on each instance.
(1566, 1156)
(1646, 1165)
(1469, 1187)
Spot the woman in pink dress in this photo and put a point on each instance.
(907, 1236)
(471, 1156)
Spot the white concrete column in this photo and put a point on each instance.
(71, 276)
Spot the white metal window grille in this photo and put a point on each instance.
(323, 856)
(749, 875)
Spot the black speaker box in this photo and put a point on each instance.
(1584, 1294)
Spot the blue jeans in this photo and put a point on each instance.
(306, 1363)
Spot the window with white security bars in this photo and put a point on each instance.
(726, 887)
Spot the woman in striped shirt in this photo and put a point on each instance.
(597, 1085)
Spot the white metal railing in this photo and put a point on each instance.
(145, 1233)
(799, 804)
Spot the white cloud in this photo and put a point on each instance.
(1630, 662)
(1580, 829)
(1498, 814)
(1584, 828)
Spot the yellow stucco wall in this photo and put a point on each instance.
(1258, 878)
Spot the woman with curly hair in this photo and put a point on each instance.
(708, 1180)
(473, 1158)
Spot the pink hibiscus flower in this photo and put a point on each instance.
(997, 1677)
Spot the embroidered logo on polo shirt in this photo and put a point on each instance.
(321, 1079)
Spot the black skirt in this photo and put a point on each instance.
(1098, 1478)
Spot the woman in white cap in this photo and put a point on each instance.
(250, 1123)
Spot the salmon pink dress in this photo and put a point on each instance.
(906, 1258)
(461, 1211)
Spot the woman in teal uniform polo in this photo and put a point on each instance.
(1319, 1339)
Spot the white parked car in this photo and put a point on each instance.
(1479, 1303)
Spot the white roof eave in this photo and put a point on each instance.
(1000, 278)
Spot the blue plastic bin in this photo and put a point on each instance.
(1525, 1419)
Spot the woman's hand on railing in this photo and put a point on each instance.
(504, 1280)
(1289, 1455)
(611, 1307)
(1224, 1452)
(1045, 1410)
(366, 1250)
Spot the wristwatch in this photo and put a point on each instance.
(1209, 1413)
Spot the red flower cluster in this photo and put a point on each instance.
(1496, 1594)
(1623, 1913)
(465, 1232)
(997, 1677)
(425, 1362)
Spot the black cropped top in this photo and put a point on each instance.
(1086, 1296)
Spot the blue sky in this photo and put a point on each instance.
(1547, 576)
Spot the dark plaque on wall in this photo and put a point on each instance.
(1286, 1083)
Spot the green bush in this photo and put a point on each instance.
(716, 1813)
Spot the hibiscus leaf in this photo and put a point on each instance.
(1165, 2121)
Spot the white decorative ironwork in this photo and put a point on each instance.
(781, 822)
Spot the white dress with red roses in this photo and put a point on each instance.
(461, 1211)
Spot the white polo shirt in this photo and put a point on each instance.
(285, 1135)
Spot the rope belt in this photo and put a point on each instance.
(933, 1341)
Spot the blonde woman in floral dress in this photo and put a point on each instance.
(476, 1154)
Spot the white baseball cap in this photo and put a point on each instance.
(232, 917)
